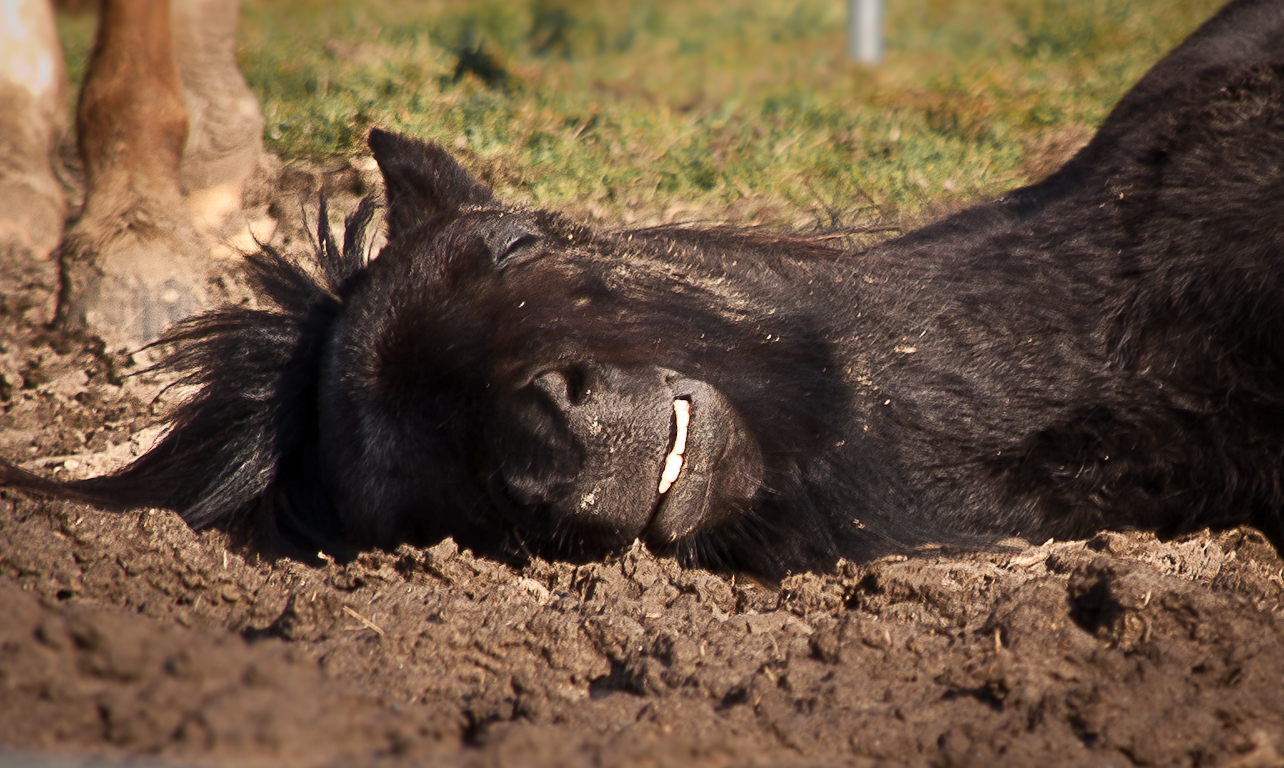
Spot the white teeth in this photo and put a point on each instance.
(672, 466)
(673, 462)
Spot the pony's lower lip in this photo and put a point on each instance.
(719, 466)
(682, 503)
(673, 461)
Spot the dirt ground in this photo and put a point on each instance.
(130, 638)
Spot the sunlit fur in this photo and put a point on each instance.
(1099, 350)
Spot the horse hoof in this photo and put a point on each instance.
(130, 286)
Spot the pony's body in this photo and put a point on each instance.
(1103, 349)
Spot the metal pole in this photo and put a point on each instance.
(865, 30)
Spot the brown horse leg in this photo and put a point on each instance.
(224, 151)
(133, 263)
(33, 97)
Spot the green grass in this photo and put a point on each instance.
(704, 108)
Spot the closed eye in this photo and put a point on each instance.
(509, 237)
(518, 244)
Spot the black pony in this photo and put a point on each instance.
(1104, 349)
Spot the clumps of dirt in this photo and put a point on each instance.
(78, 678)
(130, 636)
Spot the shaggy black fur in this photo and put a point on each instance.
(1103, 349)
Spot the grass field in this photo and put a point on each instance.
(704, 108)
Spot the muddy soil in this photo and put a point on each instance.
(132, 638)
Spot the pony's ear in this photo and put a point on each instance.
(421, 180)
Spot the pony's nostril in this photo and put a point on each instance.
(578, 388)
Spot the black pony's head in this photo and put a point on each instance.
(509, 378)
(502, 374)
